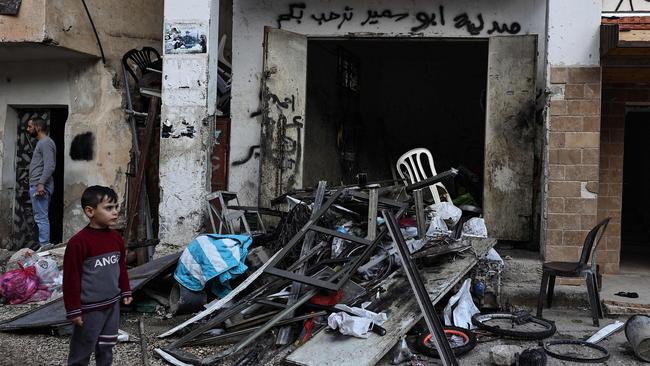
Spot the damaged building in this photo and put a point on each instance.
(284, 165)
(62, 61)
(363, 82)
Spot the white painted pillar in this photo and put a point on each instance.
(190, 38)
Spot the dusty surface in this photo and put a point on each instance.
(32, 349)
(572, 323)
(520, 286)
(45, 349)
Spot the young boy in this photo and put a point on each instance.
(95, 279)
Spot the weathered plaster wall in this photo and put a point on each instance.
(404, 19)
(94, 105)
(184, 162)
(91, 90)
(574, 32)
(121, 25)
(27, 26)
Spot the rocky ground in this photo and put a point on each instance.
(44, 349)
(520, 281)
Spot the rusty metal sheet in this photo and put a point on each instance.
(284, 89)
(9, 7)
(52, 314)
(509, 137)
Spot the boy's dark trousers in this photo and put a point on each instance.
(98, 333)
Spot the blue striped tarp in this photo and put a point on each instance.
(213, 256)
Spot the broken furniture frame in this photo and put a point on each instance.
(334, 281)
(296, 287)
(230, 218)
(312, 226)
(431, 318)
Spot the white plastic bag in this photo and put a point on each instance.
(401, 352)
(493, 256)
(356, 325)
(25, 256)
(460, 308)
(377, 318)
(475, 227)
(437, 227)
(415, 244)
(447, 211)
(409, 232)
(48, 273)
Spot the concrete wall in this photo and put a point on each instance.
(186, 102)
(572, 127)
(121, 25)
(401, 20)
(45, 76)
(94, 105)
(27, 26)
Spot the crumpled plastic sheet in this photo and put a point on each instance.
(437, 228)
(415, 244)
(409, 232)
(475, 227)
(357, 325)
(460, 308)
(493, 255)
(401, 352)
(49, 274)
(447, 211)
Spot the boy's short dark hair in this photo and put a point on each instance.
(93, 195)
(39, 124)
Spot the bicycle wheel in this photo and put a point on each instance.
(514, 326)
(461, 341)
(576, 351)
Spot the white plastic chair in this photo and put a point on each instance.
(409, 166)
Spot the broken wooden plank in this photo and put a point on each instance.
(403, 312)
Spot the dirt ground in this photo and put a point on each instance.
(42, 349)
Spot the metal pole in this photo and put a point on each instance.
(419, 213)
(439, 338)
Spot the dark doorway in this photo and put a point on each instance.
(635, 218)
(371, 100)
(25, 231)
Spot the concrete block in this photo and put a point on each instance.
(505, 355)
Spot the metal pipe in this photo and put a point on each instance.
(92, 24)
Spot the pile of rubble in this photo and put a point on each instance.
(345, 278)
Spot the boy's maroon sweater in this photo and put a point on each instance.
(94, 271)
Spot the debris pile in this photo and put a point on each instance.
(354, 270)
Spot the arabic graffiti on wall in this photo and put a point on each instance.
(286, 152)
(473, 24)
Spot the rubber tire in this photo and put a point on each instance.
(422, 348)
(550, 327)
(576, 342)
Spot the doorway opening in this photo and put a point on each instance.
(25, 232)
(369, 101)
(635, 216)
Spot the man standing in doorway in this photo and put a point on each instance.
(41, 183)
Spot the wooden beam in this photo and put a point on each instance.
(626, 75)
(137, 182)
